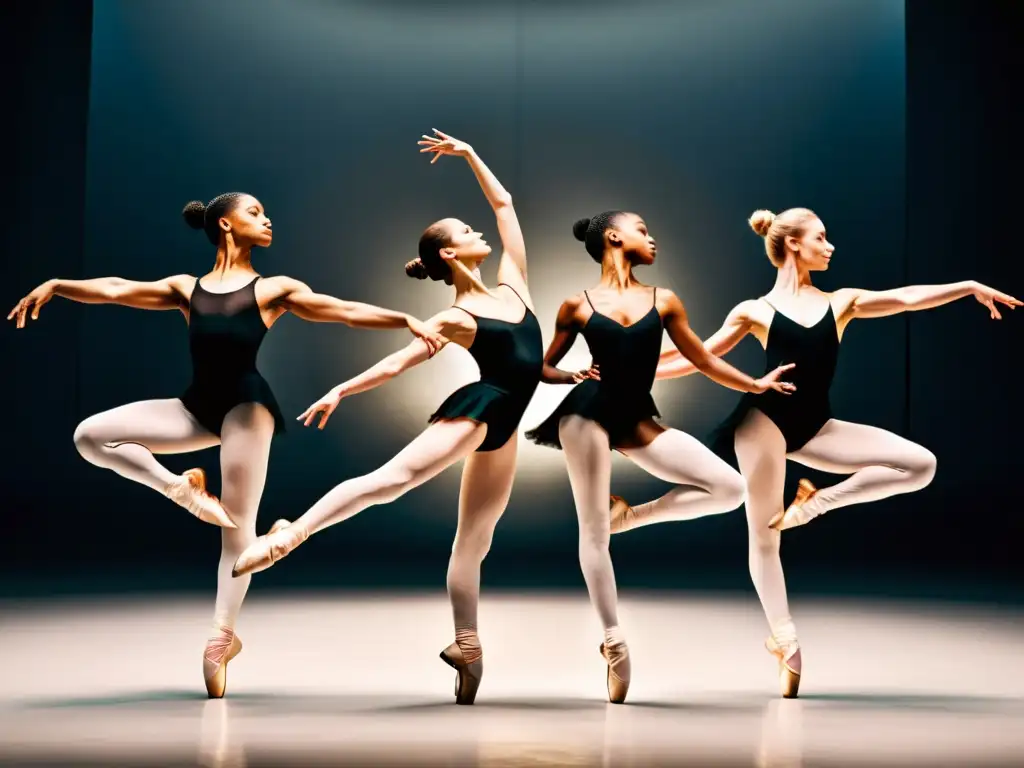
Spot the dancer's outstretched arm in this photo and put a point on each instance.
(738, 324)
(716, 369)
(451, 325)
(291, 295)
(567, 326)
(512, 266)
(858, 303)
(169, 293)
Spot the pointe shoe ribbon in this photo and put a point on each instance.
(190, 492)
(282, 538)
(468, 674)
(220, 649)
(796, 513)
(789, 678)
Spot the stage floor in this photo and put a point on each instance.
(345, 679)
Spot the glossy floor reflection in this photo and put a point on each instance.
(355, 680)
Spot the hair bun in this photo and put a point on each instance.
(194, 214)
(579, 229)
(416, 268)
(761, 221)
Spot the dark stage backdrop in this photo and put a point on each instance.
(692, 113)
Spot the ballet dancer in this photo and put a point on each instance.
(478, 421)
(611, 406)
(798, 323)
(228, 311)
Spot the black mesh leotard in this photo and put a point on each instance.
(225, 331)
(627, 356)
(510, 357)
(800, 415)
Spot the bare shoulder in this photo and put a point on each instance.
(750, 310)
(455, 324)
(454, 319)
(573, 303)
(843, 300)
(283, 283)
(572, 310)
(182, 285)
(752, 314)
(667, 301)
(666, 294)
(277, 287)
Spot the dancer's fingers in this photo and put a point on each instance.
(311, 414)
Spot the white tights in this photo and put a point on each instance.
(707, 486)
(880, 464)
(486, 486)
(124, 440)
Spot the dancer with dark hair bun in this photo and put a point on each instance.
(477, 422)
(798, 323)
(622, 322)
(229, 403)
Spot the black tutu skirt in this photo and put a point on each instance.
(618, 413)
(498, 408)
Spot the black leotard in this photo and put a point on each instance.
(511, 358)
(225, 331)
(800, 415)
(627, 357)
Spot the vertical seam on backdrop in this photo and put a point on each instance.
(906, 214)
(518, 109)
(84, 188)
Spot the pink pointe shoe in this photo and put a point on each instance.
(282, 538)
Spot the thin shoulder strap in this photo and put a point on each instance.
(592, 307)
(655, 302)
(765, 300)
(515, 292)
(456, 306)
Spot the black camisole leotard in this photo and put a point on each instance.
(802, 414)
(627, 356)
(510, 357)
(225, 331)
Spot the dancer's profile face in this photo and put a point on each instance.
(629, 232)
(248, 223)
(465, 243)
(813, 250)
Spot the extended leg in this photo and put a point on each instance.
(124, 440)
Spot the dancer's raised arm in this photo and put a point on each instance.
(168, 293)
(513, 257)
(688, 343)
(738, 324)
(449, 325)
(859, 303)
(298, 298)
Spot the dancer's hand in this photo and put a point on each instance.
(591, 373)
(434, 341)
(771, 381)
(989, 297)
(324, 406)
(443, 144)
(34, 301)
